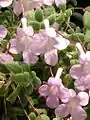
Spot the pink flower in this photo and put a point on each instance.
(74, 106)
(5, 58)
(57, 2)
(5, 3)
(54, 91)
(23, 6)
(81, 72)
(3, 32)
(47, 42)
(23, 41)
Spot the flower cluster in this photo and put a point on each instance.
(46, 42)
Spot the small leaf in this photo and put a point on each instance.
(12, 97)
(22, 79)
(29, 89)
(43, 117)
(51, 19)
(48, 11)
(14, 67)
(35, 24)
(30, 15)
(39, 15)
(36, 80)
(60, 18)
(32, 116)
(87, 36)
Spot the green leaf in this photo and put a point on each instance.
(43, 117)
(87, 36)
(29, 89)
(18, 111)
(4, 69)
(25, 67)
(51, 19)
(48, 11)
(36, 80)
(32, 116)
(39, 15)
(14, 67)
(3, 90)
(68, 13)
(86, 20)
(30, 15)
(60, 18)
(87, 9)
(35, 24)
(22, 79)
(76, 37)
(4, 43)
(12, 97)
(78, 16)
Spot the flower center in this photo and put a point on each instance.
(54, 90)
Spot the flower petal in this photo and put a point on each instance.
(62, 43)
(48, 2)
(83, 83)
(78, 114)
(62, 110)
(84, 98)
(44, 90)
(51, 58)
(5, 3)
(64, 94)
(58, 2)
(53, 81)
(3, 32)
(76, 71)
(5, 58)
(29, 57)
(52, 101)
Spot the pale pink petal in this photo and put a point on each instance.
(13, 46)
(62, 110)
(44, 90)
(17, 8)
(82, 58)
(51, 32)
(88, 56)
(72, 93)
(51, 58)
(5, 58)
(29, 31)
(64, 94)
(5, 3)
(52, 101)
(3, 32)
(76, 71)
(62, 43)
(29, 57)
(78, 113)
(84, 98)
(83, 83)
(48, 2)
(58, 2)
(53, 81)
